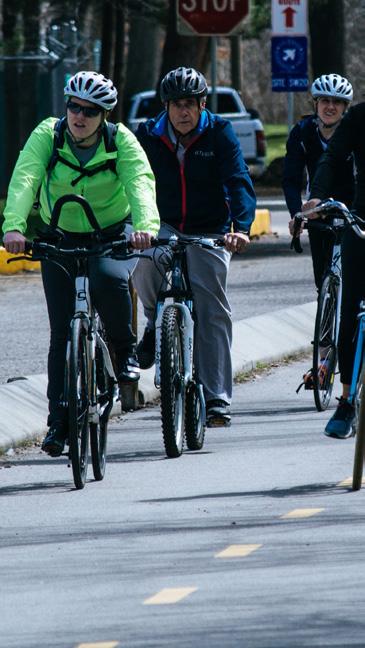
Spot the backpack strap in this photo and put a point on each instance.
(109, 135)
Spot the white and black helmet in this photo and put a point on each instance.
(332, 85)
(93, 87)
(183, 82)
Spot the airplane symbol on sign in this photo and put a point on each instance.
(289, 55)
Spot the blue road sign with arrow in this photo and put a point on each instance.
(289, 68)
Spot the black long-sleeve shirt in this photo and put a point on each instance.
(304, 150)
(348, 139)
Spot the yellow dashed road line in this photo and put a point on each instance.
(99, 644)
(169, 595)
(302, 513)
(237, 551)
(348, 482)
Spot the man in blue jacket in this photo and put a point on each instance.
(203, 188)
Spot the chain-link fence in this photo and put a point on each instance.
(31, 89)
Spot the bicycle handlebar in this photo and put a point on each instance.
(327, 205)
(38, 250)
(175, 241)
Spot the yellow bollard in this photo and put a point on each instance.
(18, 266)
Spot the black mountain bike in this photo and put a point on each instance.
(182, 398)
(327, 321)
(90, 382)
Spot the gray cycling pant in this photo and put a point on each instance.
(208, 270)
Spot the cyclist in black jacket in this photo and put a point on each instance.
(348, 139)
(306, 144)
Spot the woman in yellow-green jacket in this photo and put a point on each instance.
(85, 155)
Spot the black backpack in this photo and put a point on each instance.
(109, 135)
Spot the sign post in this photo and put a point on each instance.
(211, 18)
(289, 44)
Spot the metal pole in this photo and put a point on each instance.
(213, 61)
(290, 110)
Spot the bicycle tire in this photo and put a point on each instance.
(103, 390)
(325, 343)
(359, 429)
(172, 382)
(78, 403)
(194, 422)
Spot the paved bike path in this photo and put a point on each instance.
(261, 339)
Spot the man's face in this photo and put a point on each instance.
(330, 110)
(184, 114)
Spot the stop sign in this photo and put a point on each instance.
(210, 17)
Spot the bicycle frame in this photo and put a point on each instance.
(181, 298)
(360, 343)
(336, 270)
(85, 312)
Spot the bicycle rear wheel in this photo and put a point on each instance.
(172, 382)
(325, 343)
(194, 419)
(103, 396)
(78, 403)
(359, 429)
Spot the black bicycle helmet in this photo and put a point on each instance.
(183, 82)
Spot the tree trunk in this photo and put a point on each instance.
(107, 38)
(144, 55)
(326, 24)
(189, 51)
(119, 60)
(237, 63)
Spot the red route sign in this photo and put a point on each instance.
(211, 17)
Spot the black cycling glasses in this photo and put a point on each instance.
(88, 111)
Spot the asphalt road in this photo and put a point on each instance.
(267, 277)
(253, 542)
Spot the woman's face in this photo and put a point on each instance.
(330, 110)
(80, 124)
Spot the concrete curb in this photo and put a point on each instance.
(260, 339)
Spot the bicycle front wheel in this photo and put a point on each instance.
(78, 403)
(104, 392)
(359, 425)
(194, 419)
(325, 343)
(172, 382)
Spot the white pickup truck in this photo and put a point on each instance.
(248, 127)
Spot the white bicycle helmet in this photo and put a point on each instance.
(332, 85)
(93, 87)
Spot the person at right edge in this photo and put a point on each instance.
(203, 188)
(309, 138)
(348, 139)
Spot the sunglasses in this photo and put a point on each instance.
(88, 111)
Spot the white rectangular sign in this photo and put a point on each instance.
(289, 17)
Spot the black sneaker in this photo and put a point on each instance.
(146, 349)
(218, 414)
(129, 370)
(55, 439)
(340, 424)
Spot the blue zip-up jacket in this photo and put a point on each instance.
(304, 149)
(212, 189)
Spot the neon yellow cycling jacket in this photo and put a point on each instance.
(112, 196)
